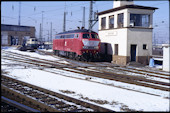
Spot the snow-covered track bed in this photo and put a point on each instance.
(137, 71)
(45, 100)
(128, 70)
(101, 73)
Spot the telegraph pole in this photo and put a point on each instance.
(91, 24)
(90, 15)
(48, 37)
(42, 28)
(19, 21)
(83, 22)
(51, 33)
(64, 22)
(40, 37)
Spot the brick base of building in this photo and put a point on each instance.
(124, 60)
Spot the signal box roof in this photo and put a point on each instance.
(77, 31)
(127, 6)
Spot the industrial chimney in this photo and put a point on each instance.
(122, 3)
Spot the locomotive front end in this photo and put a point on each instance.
(91, 46)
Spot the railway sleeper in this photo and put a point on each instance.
(28, 101)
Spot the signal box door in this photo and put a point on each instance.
(133, 52)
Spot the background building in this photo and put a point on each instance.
(166, 57)
(126, 32)
(15, 34)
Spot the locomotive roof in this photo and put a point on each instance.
(77, 31)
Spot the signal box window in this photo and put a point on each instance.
(116, 49)
(86, 36)
(141, 20)
(145, 46)
(120, 20)
(111, 22)
(103, 23)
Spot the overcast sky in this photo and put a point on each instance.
(31, 15)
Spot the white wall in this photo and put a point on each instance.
(116, 36)
(166, 61)
(139, 37)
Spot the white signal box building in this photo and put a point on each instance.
(126, 32)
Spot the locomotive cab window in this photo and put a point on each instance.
(86, 36)
(95, 36)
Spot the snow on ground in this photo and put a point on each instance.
(55, 82)
(115, 98)
(95, 79)
(33, 54)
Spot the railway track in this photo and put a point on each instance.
(5, 107)
(8, 105)
(44, 100)
(164, 75)
(102, 74)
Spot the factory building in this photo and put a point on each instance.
(15, 34)
(126, 32)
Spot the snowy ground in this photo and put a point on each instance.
(110, 94)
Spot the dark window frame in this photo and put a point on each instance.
(85, 37)
(145, 47)
(140, 20)
(120, 20)
(111, 24)
(103, 23)
(95, 36)
(116, 48)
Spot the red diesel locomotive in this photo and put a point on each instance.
(78, 44)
